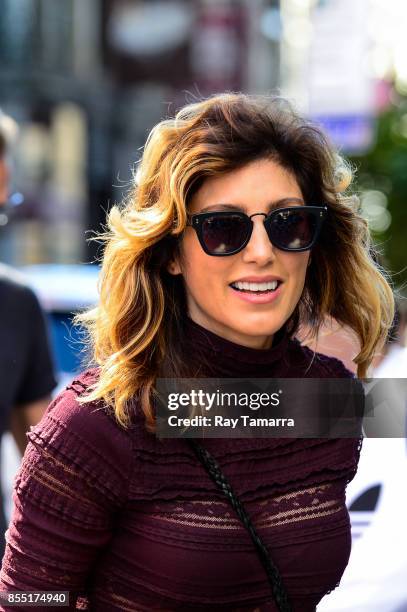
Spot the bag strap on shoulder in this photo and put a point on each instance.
(212, 467)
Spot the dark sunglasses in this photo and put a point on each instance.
(294, 229)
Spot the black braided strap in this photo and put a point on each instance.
(214, 471)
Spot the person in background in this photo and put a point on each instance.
(26, 369)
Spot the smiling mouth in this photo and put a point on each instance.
(255, 288)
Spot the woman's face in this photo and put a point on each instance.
(213, 303)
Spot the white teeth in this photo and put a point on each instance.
(269, 286)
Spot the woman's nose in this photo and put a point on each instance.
(259, 248)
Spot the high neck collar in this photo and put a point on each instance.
(227, 358)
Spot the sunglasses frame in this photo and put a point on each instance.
(197, 220)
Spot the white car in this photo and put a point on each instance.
(375, 579)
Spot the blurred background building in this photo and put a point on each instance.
(87, 80)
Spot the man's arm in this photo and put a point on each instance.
(37, 382)
(25, 415)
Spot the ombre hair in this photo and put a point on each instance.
(136, 331)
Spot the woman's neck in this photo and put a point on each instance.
(238, 337)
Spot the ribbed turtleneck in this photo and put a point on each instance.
(221, 357)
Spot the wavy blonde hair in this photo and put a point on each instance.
(137, 326)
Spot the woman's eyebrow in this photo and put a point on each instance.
(237, 207)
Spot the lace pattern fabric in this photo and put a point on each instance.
(209, 516)
(125, 521)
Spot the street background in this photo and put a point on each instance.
(87, 80)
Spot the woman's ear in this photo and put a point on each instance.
(309, 261)
(173, 267)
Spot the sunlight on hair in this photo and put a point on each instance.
(343, 175)
(138, 322)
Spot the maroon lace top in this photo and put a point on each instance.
(125, 521)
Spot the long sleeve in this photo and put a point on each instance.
(73, 480)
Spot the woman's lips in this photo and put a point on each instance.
(258, 297)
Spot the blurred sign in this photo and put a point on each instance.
(149, 29)
(341, 89)
(218, 47)
(147, 41)
(353, 133)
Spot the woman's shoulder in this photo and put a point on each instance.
(69, 411)
(317, 365)
(82, 430)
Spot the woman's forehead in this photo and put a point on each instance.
(263, 182)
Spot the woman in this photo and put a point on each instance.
(234, 234)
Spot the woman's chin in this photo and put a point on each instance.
(253, 336)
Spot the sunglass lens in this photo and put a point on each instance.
(293, 229)
(224, 234)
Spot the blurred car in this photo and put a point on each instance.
(63, 290)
